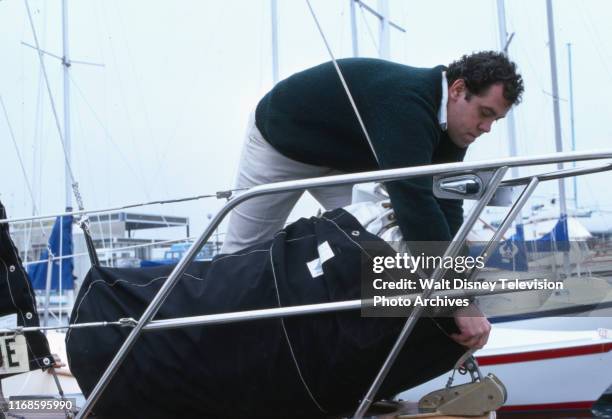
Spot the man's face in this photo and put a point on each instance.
(469, 116)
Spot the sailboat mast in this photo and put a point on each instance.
(557, 121)
(555, 95)
(384, 44)
(274, 23)
(67, 142)
(571, 101)
(503, 44)
(354, 33)
(384, 33)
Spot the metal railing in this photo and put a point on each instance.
(498, 166)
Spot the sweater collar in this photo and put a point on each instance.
(443, 103)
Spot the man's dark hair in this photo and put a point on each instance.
(481, 70)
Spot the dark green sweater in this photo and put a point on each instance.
(309, 118)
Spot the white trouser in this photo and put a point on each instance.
(258, 219)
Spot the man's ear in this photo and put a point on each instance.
(456, 89)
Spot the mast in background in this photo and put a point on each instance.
(354, 39)
(557, 124)
(571, 101)
(384, 41)
(66, 66)
(273, 16)
(555, 95)
(504, 43)
(71, 186)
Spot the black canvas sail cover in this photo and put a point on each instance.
(304, 366)
(20, 352)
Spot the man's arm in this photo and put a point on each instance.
(409, 139)
(474, 328)
(420, 215)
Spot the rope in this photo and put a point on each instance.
(23, 170)
(12, 134)
(367, 25)
(346, 89)
(34, 208)
(115, 249)
(222, 194)
(108, 136)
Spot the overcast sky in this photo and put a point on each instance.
(165, 116)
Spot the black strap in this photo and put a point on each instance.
(91, 249)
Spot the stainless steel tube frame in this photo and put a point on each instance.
(381, 175)
(557, 174)
(272, 313)
(510, 162)
(514, 211)
(265, 313)
(453, 249)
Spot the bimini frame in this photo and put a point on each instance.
(490, 186)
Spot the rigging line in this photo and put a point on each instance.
(206, 39)
(405, 24)
(12, 135)
(123, 101)
(524, 50)
(158, 158)
(101, 36)
(539, 77)
(346, 89)
(38, 140)
(75, 187)
(108, 134)
(591, 30)
(23, 170)
(105, 210)
(262, 35)
(146, 114)
(114, 249)
(143, 104)
(342, 24)
(84, 149)
(367, 25)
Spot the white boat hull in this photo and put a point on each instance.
(549, 370)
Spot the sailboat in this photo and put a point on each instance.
(128, 323)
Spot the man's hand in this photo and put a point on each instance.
(474, 328)
(57, 363)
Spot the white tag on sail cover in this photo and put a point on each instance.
(316, 266)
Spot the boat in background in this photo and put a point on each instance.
(174, 253)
